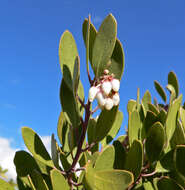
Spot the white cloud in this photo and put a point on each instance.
(7, 154)
(6, 159)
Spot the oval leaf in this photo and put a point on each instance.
(155, 141)
(134, 126)
(68, 103)
(113, 180)
(104, 125)
(67, 56)
(24, 163)
(172, 117)
(117, 61)
(58, 181)
(172, 80)
(35, 146)
(179, 158)
(160, 90)
(167, 183)
(105, 160)
(104, 45)
(134, 159)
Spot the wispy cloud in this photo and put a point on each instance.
(15, 81)
(10, 106)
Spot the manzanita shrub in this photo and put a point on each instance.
(150, 156)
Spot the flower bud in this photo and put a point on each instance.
(106, 87)
(100, 99)
(115, 85)
(116, 99)
(92, 93)
(109, 104)
(106, 72)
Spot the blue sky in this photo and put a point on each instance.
(152, 33)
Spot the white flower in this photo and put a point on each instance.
(92, 93)
(100, 98)
(106, 87)
(109, 104)
(115, 85)
(116, 99)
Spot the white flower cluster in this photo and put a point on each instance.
(106, 92)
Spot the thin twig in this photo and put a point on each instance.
(81, 101)
(80, 169)
(80, 144)
(96, 108)
(150, 174)
(88, 147)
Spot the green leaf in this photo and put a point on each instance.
(58, 181)
(182, 117)
(91, 130)
(112, 180)
(131, 106)
(155, 141)
(114, 130)
(172, 117)
(153, 108)
(76, 75)
(105, 160)
(38, 181)
(146, 100)
(167, 160)
(88, 180)
(121, 138)
(160, 90)
(63, 158)
(134, 159)
(148, 186)
(104, 45)
(23, 158)
(91, 134)
(62, 131)
(5, 186)
(120, 152)
(117, 61)
(22, 185)
(68, 103)
(172, 80)
(171, 89)
(160, 169)
(54, 151)
(134, 126)
(150, 119)
(80, 93)
(92, 36)
(167, 183)
(87, 37)
(67, 55)
(35, 146)
(104, 125)
(178, 136)
(179, 157)
(162, 116)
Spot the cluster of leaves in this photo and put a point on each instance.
(149, 156)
